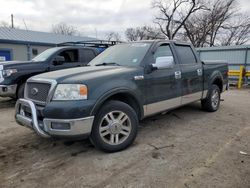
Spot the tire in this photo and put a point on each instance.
(115, 127)
(212, 102)
(20, 91)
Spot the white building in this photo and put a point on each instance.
(18, 44)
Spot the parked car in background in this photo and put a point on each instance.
(13, 74)
(123, 85)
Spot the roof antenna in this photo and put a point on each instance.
(25, 24)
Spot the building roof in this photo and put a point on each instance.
(224, 48)
(20, 36)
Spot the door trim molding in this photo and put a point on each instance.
(154, 108)
(157, 107)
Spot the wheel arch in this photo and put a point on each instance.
(122, 95)
(217, 79)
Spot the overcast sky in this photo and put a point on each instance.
(90, 17)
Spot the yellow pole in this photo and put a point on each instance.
(240, 77)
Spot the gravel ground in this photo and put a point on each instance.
(183, 148)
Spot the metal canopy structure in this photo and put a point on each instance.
(93, 43)
(20, 36)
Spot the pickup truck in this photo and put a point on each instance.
(13, 74)
(126, 83)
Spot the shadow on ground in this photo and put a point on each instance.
(7, 103)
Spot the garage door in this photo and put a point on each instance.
(5, 55)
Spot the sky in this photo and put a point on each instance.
(94, 18)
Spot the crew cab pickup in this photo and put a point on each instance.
(13, 74)
(121, 86)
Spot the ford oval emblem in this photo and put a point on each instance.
(34, 91)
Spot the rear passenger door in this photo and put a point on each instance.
(191, 74)
(86, 55)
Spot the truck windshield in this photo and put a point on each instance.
(130, 54)
(45, 55)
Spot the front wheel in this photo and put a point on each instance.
(20, 91)
(212, 102)
(115, 127)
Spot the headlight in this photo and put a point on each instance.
(70, 92)
(9, 72)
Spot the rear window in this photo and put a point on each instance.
(185, 54)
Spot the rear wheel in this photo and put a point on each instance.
(115, 127)
(212, 102)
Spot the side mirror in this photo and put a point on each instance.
(59, 60)
(166, 62)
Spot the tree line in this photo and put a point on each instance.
(201, 22)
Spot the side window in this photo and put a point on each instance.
(185, 54)
(163, 51)
(70, 56)
(88, 55)
(34, 52)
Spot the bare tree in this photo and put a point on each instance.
(220, 24)
(196, 30)
(64, 29)
(113, 36)
(131, 34)
(221, 12)
(174, 13)
(143, 33)
(236, 32)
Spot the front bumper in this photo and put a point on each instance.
(8, 90)
(51, 127)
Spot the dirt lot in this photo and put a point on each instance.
(183, 148)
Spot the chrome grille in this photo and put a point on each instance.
(38, 92)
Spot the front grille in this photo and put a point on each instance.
(38, 92)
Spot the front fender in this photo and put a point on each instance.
(121, 90)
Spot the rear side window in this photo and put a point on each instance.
(185, 54)
(70, 56)
(88, 55)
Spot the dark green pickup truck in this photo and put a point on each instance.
(121, 86)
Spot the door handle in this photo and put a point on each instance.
(177, 75)
(199, 72)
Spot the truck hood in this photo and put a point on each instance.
(17, 64)
(83, 74)
(11, 63)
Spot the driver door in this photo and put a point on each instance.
(163, 86)
(71, 57)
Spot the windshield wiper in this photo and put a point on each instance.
(104, 64)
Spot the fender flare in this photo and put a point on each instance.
(215, 75)
(113, 92)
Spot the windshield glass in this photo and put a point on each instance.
(130, 54)
(45, 55)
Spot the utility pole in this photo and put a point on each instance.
(12, 21)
